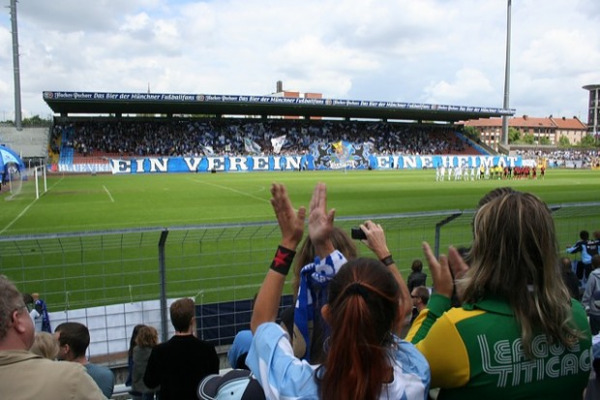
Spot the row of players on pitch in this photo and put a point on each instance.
(485, 172)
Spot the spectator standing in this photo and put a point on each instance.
(179, 364)
(45, 345)
(129, 380)
(570, 278)
(417, 277)
(146, 340)
(591, 295)
(24, 375)
(74, 339)
(305, 314)
(517, 318)
(588, 248)
(367, 302)
(42, 321)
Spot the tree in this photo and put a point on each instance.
(544, 140)
(529, 138)
(514, 135)
(588, 141)
(472, 132)
(563, 141)
(36, 120)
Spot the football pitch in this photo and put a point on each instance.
(221, 226)
(104, 202)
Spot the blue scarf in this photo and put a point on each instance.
(312, 294)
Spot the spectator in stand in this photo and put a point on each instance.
(570, 279)
(24, 375)
(417, 277)
(146, 340)
(517, 318)
(45, 345)
(129, 380)
(420, 298)
(591, 295)
(588, 248)
(317, 333)
(367, 302)
(239, 349)
(74, 339)
(179, 364)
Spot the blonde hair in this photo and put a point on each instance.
(45, 345)
(514, 256)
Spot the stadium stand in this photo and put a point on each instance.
(193, 137)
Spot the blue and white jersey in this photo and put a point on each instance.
(283, 376)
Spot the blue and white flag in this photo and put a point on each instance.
(251, 146)
(278, 143)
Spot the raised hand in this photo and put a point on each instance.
(375, 240)
(443, 272)
(320, 221)
(291, 222)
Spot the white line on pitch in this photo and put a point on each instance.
(27, 208)
(18, 216)
(108, 193)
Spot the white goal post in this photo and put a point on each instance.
(39, 173)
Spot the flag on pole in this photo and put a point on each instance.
(278, 143)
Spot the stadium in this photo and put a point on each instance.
(132, 200)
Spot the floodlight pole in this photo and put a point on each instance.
(16, 68)
(506, 78)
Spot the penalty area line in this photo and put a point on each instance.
(108, 193)
(7, 227)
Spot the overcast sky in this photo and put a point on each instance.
(429, 51)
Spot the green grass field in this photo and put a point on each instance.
(228, 263)
(84, 203)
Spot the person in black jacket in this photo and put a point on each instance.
(179, 364)
(417, 277)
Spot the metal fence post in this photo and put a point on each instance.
(438, 228)
(163, 285)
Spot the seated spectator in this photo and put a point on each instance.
(417, 277)
(364, 310)
(179, 364)
(591, 295)
(420, 298)
(45, 345)
(516, 319)
(74, 339)
(570, 278)
(239, 349)
(24, 375)
(237, 384)
(145, 341)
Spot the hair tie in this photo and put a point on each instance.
(357, 288)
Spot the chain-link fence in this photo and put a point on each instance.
(113, 280)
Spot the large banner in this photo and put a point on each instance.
(322, 160)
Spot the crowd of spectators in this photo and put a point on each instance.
(570, 158)
(228, 136)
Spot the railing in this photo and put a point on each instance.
(113, 280)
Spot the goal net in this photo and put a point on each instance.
(28, 183)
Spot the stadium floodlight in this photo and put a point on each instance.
(505, 104)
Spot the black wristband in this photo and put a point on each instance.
(282, 260)
(387, 261)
